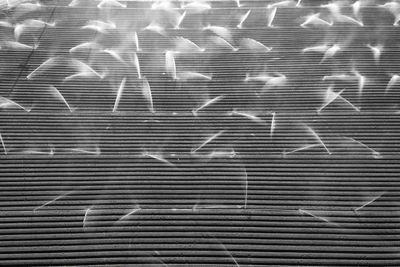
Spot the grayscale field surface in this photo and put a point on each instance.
(199, 133)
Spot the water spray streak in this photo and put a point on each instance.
(119, 94)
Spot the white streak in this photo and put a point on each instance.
(18, 45)
(83, 70)
(2, 143)
(376, 51)
(320, 49)
(211, 138)
(254, 45)
(209, 102)
(5, 103)
(158, 157)
(375, 153)
(133, 211)
(272, 124)
(85, 46)
(248, 115)
(136, 41)
(137, 65)
(329, 98)
(306, 212)
(224, 43)
(154, 27)
(52, 201)
(184, 45)
(114, 54)
(220, 31)
(369, 202)
(243, 19)
(55, 92)
(44, 66)
(189, 75)
(146, 92)
(302, 148)
(315, 20)
(110, 4)
(179, 20)
(119, 94)
(317, 137)
(86, 216)
(100, 26)
(395, 78)
(170, 64)
(271, 17)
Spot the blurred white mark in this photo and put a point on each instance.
(19, 28)
(273, 123)
(334, 9)
(330, 97)
(369, 202)
(315, 20)
(85, 46)
(208, 140)
(52, 201)
(223, 43)
(136, 63)
(206, 104)
(115, 54)
(392, 82)
(271, 12)
(309, 213)
(330, 52)
(133, 211)
(110, 4)
(170, 64)
(99, 26)
(44, 66)
(223, 32)
(85, 217)
(248, 115)
(196, 6)
(222, 154)
(278, 80)
(179, 19)
(394, 8)
(375, 153)
(136, 41)
(254, 45)
(163, 5)
(146, 92)
(83, 70)
(361, 80)
(301, 148)
(119, 94)
(7, 103)
(310, 130)
(96, 150)
(225, 249)
(238, 3)
(284, 3)
(319, 49)
(18, 46)
(243, 19)
(184, 45)
(2, 143)
(57, 94)
(6, 24)
(376, 51)
(159, 157)
(190, 75)
(155, 27)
